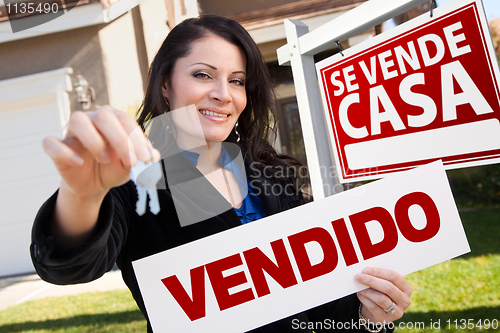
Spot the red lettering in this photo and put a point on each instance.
(345, 242)
(330, 255)
(194, 308)
(431, 214)
(384, 218)
(221, 284)
(281, 272)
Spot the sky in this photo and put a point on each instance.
(492, 7)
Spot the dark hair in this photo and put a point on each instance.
(257, 122)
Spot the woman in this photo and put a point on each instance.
(210, 67)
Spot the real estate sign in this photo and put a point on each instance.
(425, 90)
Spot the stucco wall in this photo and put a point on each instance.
(154, 23)
(108, 56)
(120, 54)
(79, 49)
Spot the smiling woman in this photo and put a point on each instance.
(212, 77)
(209, 102)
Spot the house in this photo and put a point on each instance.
(110, 43)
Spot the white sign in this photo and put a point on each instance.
(405, 222)
(423, 91)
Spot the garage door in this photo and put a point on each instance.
(31, 107)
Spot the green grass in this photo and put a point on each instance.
(460, 289)
(463, 288)
(96, 312)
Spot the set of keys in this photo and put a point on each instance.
(145, 177)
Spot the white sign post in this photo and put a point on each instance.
(272, 268)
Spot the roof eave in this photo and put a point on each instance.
(79, 17)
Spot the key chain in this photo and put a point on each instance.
(145, 177)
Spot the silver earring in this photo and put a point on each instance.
(166, 102)
(169, 116)
(236, 131)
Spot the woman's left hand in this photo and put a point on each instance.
(385, 287)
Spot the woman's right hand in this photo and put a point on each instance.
(97, 153)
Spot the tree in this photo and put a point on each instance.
(412, 13)
(495, 34)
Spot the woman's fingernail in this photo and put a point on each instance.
(367, 271)
(77, 160)
(145, 154)
(359, 277)
(157, 155)
(130, 158)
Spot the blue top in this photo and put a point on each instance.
(251, 208)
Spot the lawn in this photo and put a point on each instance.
(451, 293)
(458, 293)
(96, 312)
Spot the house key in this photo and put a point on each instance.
(145, 177)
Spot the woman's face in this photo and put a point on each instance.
(212, 78)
